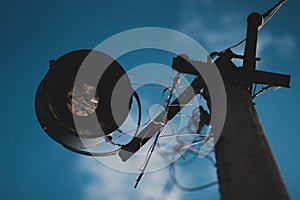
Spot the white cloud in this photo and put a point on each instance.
(103, 182)
(106, 183)
(283, 45)
(208, 25)
(219, 29)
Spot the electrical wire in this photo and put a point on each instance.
(271, 12)
(268, 88)
(266, 16)
(94, 154)
(190, 189)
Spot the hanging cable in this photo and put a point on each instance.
(265, 89)
(271, 12)
(201, 187)
(138, 101)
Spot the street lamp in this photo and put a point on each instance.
(78, 102)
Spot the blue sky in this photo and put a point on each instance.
(33, 32)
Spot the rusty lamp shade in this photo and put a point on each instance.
(61, 101)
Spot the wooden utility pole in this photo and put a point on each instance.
(245, 165)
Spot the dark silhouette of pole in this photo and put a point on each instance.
(249, 64)
(245, 165)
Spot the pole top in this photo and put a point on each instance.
(255, 18)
